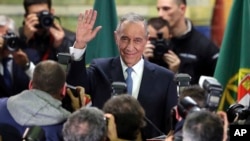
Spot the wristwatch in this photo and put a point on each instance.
(27, 66)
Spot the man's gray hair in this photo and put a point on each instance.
(9, 22)
(132, 17)
(85, 124)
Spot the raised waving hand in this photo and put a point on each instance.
(85, 30)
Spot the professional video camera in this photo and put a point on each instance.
(161, 45)
(46, 19)
(213, 92)
(238, 114)
(11, 41)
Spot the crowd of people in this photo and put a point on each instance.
(34, 88)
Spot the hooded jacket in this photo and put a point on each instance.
(34, 107)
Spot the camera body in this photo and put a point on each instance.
(11, 41)
(46, 19)
(187, 105)
(161, 45)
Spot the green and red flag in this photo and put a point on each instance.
(233, 66)
(103, 45)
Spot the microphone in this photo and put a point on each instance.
(34, 133)
(118, 88)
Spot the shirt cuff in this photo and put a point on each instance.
(30, 70)
(77, 53)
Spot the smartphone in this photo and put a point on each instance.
(75, 92)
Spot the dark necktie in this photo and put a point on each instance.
(6, 73)
(129, 81)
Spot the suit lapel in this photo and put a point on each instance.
(147, 79)
(116, 71)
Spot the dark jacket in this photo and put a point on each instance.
(41, 47)
(197, 53)
(20, 82)
(157, 93)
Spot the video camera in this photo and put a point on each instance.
(11, 41)
(238, 114)
(161, 45)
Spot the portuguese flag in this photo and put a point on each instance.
(233, 66)
(103, 45)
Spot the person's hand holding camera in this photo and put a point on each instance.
(1, 42)
(57, 32)
(21, 59)
(148, 51)
(30, 23)
(172, 60)
(77, 100)
(112, 133)
(223, 116)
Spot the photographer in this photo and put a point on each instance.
(205, 126)
(158, 49)
(197, 54)
(128, 116)
(191, 96)
(42, 32)
(203, 97)
(90, 124)
(14, 63)
(85, 124)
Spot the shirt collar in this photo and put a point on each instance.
(189, 26)
(136, 67)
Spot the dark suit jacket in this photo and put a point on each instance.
(20, 82)
(157, 94)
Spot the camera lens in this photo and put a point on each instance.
(11, 41)
(235, 110)
(161, 45)
(46, 19)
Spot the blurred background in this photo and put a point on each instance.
(199, 11)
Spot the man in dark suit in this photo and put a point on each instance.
(14, 76)
(152, 85)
